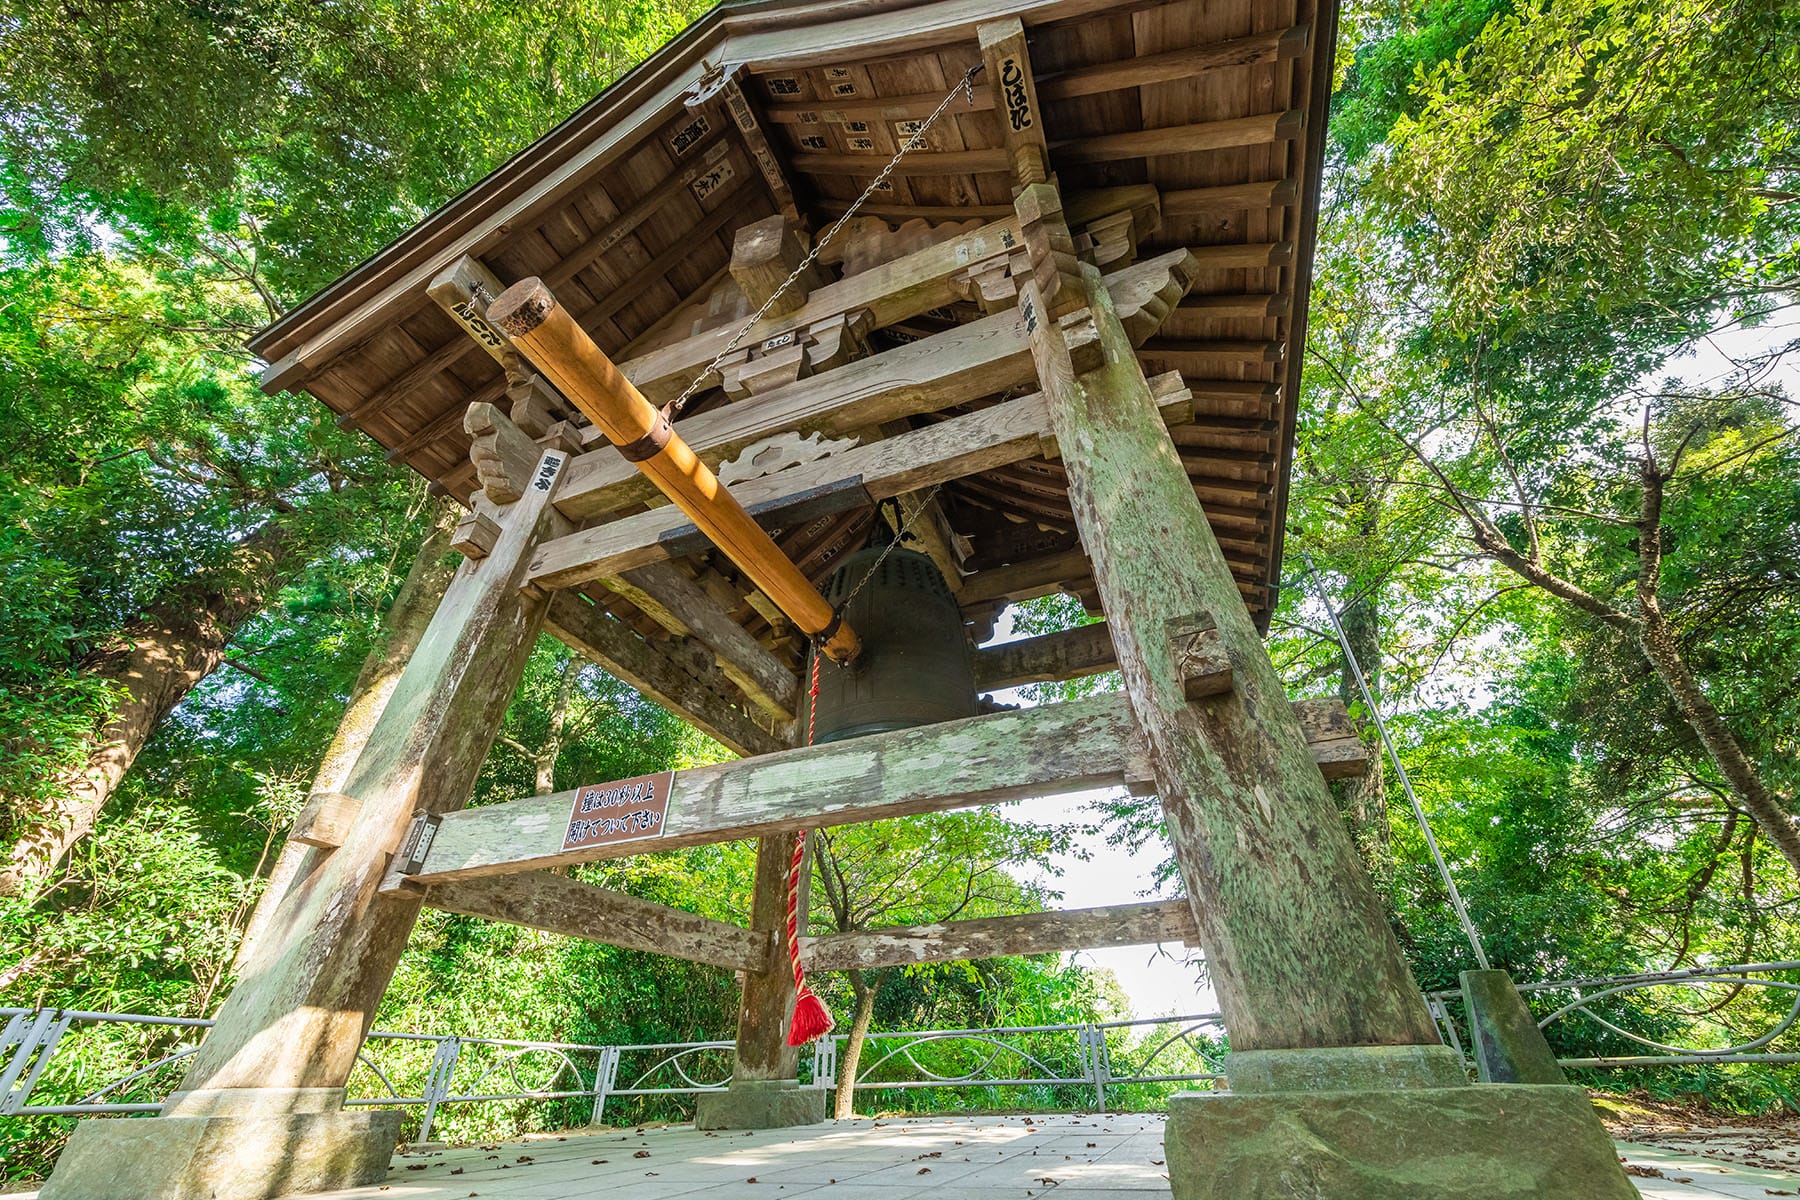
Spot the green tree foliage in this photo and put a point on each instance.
(918, 871)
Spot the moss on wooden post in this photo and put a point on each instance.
(1295, 941)
(309, 988)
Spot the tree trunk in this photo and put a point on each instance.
(401, 629)
(853, 1045)
(156, 661)
(1745, 781)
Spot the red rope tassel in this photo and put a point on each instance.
(811, 1021)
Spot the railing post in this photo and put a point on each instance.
(604, 1078)
(437, 1082)
(35, 1035)
(1440, 1012)
(1094, 1058)
(825, 1057)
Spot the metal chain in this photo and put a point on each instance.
(899, 536)
(966, 85)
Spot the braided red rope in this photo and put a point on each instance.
(811, 1020)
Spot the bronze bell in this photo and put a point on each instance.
(914, 668)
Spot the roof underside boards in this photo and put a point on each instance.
(630, 208)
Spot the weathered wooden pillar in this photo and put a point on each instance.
(1295, 941)
(402, 629)
(765, 1090)
(259, 1111)
(1339, 1085)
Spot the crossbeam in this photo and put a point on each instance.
(628, 657)
(999, 937)
(1047, 751)
(558, 904)
(937, 453)
(1048, 658)
(954, 367)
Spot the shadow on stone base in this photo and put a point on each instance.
(1484, 1142)
(760, 1104)
(223, 1157)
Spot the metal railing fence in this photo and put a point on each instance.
(42, 1057)
(1751, 1009)
(76, 1063)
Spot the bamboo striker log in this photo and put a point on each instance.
(547, 334)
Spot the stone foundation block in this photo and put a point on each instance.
(223, 1157)
(760, 1104)
(1344, 1069)
(1481, 1142)
(1509, 1047)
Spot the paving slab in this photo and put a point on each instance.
(1077, 1156)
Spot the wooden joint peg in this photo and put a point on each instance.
(475, 536)
(1082, 336)
(325, 819)
(1200, 659)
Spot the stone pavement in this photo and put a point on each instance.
(1072, 1156)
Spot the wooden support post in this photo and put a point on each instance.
(1296, 943)
(309, 988)
(1021, 120)
(768, 996)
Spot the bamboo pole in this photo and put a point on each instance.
(547, 334)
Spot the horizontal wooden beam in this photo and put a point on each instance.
(409, 381)
(1166, 354)
(919, 163)
(684, 608)
(880, 108)
(1085, 650)
(1172, 65)
(999, 937)
(1048, 658)
(905, 212)
(1024, 580)
(1230, 197)
(325, 820)
(958, 365)
(1052, 750)
(632, 660)
(1259, 130)
(1223, 307)
(937, 453)
(1336, 745)
(557, 904)
(1252, 255)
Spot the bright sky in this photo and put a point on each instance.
(1157, 979)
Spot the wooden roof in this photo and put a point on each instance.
(629, 210)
